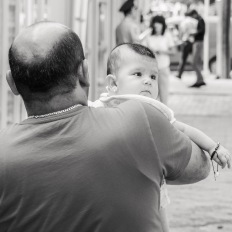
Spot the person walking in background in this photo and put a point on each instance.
(198, 48)
(162, 44)
(187, 27)
(128, 30)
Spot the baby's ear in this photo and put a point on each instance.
(111, 84)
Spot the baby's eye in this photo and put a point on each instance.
(153, 77)
(138, 74)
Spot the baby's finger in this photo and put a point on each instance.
(223, 159)
(218, 161)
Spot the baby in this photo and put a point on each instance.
(132, 73)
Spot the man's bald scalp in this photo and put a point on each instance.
(38, 39)
(45, 56)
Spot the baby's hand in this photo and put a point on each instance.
(222, 157)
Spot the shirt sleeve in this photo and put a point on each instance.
(173, 147)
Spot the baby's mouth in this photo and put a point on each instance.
(145, 93)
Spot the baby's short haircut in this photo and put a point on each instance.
(113, 63)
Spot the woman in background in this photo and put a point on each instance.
(161, 43)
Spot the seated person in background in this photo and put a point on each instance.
(133, 74)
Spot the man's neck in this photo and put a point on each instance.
(57, 103)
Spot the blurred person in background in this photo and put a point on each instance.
(198, 48)
(198, 5)
(187, 27)
(129, 29)
(161, 43)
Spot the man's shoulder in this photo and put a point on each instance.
(140, 109)
(118, 26)
(6, 134)
(9, 130)
(137, 104)
(121, 24)
(7, 138)
(132, 104)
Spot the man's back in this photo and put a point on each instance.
(127, 31)
(82, 172)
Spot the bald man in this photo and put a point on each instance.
(69, 167)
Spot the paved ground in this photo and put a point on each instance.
(207, 205)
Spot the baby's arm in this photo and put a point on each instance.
(223, 156)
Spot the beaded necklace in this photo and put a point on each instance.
(55, 113)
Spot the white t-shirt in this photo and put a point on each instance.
(161, 43)
(109, 101)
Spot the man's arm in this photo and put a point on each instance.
(197, 169)
(183, 162)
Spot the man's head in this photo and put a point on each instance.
(46, 59)
(129, 8)
(193, 13)
(132, 69)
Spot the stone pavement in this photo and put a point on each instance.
(207, 205)
(209, 107)
(213, 99)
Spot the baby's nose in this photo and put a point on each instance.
(147, 81)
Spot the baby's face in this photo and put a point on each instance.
(137, 74)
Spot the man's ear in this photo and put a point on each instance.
(84, 74)
(111, 81)
(11, 83)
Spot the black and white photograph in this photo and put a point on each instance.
(115, 115)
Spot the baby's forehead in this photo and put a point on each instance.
(125, 53)
(124, 50)
(128, 55)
